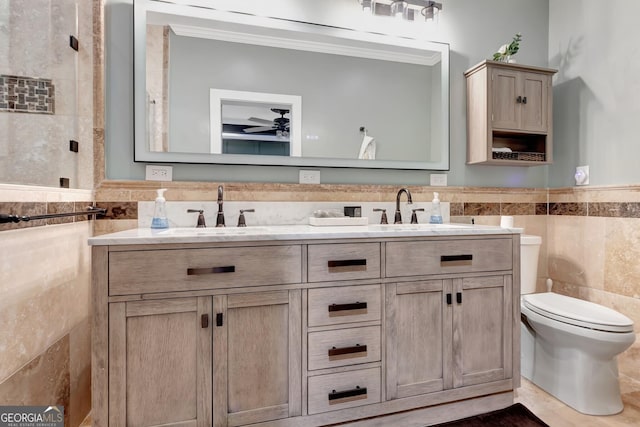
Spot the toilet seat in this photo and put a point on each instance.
(577, 312)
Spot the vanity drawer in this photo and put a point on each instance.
(172, 270)
(329, 349)
(448, 256)
(343, 261)
(343, 390)
(345, 304)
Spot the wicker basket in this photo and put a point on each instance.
(518, 155)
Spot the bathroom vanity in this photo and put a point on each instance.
(304, 326)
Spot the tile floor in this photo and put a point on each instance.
(557, 414)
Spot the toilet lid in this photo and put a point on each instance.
(578, 312)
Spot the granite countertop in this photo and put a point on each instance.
(145, 236)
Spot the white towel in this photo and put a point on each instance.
(368, 148)
(502, 150)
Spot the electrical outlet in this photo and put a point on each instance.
(159, 173)
(309, 177)
(438, 179)
(582, 175)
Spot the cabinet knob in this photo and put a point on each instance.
(519, 100)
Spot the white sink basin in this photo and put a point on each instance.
(416, 227)
(212, 231)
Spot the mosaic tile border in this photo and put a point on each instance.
(19, 94)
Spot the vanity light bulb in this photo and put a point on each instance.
(399, 9)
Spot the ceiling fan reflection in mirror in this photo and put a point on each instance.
(279, 124)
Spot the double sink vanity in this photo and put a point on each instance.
(371, 325)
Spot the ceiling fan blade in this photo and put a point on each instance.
(259, 120)
(257, 129)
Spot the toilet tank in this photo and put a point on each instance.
(529, 252)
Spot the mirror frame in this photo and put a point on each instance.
(306, 30)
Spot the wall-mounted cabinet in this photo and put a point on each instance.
(509, 114)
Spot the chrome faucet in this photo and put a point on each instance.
(398, 216)
(220, 217)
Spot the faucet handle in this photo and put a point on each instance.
(241, 221)
(414, 217)
(201, 223)
(383, 217)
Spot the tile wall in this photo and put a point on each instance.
(45, 277)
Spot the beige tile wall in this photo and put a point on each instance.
(597, 258)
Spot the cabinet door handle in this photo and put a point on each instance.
(334, 352)
(219, 319)
(459, 297)
(524, 99)
(210, 270)
(519, 100)
(347, 395)
(342, 265)
(204, 321)
(453, 260)
(337, 308)
(448, 299)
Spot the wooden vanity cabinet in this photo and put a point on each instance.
(361, 329)
(454, 331)
(509, 106)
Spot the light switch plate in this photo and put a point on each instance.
(309, 177)
(159, 173)
(438, 179)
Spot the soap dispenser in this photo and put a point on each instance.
(160, 212)
(436, 213)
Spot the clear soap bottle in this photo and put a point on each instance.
(436, 212)
(160, 211)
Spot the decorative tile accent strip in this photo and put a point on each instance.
(542, 209)
(615, 209)
(517, 209)
(456, 209)
(23, 208)
(481, 209)
(26, 94)
(119, 210)
(41, 208)
(574, 209)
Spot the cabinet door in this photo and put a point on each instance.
(418, 338)
(505, 89)
(534, 107)
(482, 330)
(160, 363)
(259, 349)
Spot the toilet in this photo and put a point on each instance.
(569, 346)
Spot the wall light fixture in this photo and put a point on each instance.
(410, 10)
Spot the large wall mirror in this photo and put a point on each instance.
(222, 87)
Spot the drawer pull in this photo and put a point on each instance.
(204, 321)
(351, 309)
(347, 352)
(343, 265)
(357, 393)
(453, 260)
(210, 270)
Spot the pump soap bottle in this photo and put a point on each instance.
(436, 213)
(160, 212)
